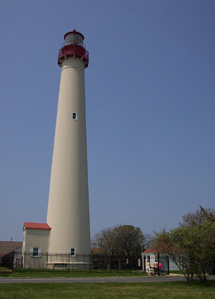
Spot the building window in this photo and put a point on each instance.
(73, 252)
(36, 251)
(74, 116)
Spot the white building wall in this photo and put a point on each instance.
(68, 208)
(152, 257)
(35, 238)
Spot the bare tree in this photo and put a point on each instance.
(121, 241)
(203, 214)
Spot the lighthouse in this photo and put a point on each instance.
(68, 205)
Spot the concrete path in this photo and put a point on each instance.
(91, 279)
(95, 279)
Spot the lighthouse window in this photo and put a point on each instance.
(73, 252)
(74, 116)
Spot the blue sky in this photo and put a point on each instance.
(150, 95)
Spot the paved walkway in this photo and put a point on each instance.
(94, 279)
(91, 279)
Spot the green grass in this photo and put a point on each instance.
(159, 290)
(73, 273)
(4, 271)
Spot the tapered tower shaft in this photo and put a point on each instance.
(68, 206)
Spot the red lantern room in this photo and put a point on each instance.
(73, 46)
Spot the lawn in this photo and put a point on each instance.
(73, 273)
(159, 290)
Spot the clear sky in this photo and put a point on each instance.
(150, 96)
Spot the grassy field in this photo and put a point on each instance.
(100, 290)
(107, 290)
(73, 273)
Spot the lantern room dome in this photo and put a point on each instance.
(73, 46)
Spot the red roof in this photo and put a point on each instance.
(150, 250)
(163, 248)
(32, 225)
(154, 249)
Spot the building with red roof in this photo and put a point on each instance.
(35, 243)
(33, 225)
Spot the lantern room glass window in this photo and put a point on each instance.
(73, 39)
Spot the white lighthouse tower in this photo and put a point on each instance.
(68, 206)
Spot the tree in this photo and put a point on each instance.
(198, 217)
(121, 241)
(191, 245)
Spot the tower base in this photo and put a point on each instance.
(61, 262)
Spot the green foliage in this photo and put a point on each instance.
(104, 290)
(120, 241)
(192, 245)
(128, 240)
(198, 217)
(124, 240)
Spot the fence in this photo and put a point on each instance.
(56, 261)
(68, 262)
(116, 262)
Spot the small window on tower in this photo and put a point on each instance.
(73, 252)
(74, 115)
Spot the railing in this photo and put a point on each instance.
(81, 44)
(79, 262)
(71, 50)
